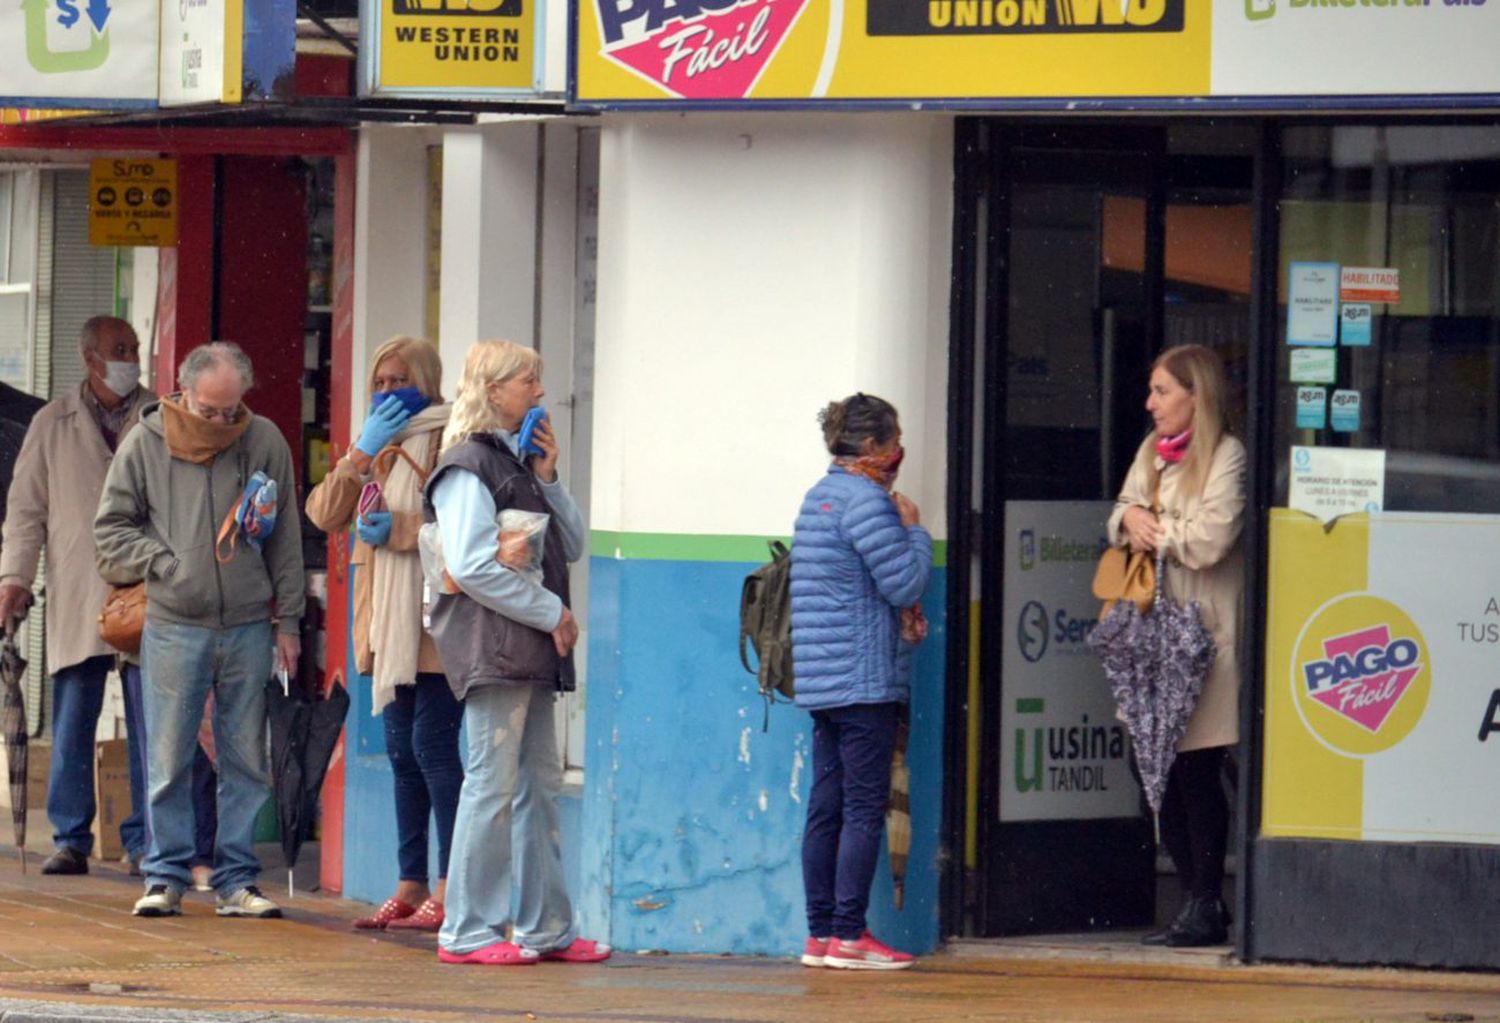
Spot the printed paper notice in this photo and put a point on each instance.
(1314, 365)
(1312, 408)
(1355, 325)
(1330, 482)
(1370, 284)
(1345, 411)
(1312, 304)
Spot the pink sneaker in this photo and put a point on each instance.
(868, 953)
(814, 951)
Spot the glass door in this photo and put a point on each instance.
(1074, 279)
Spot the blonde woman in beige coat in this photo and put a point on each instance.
(1184, 498)
(408, 688)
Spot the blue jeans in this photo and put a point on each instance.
(852, 751)
(421, 740)
(512, 776)
(180, 664)
(205, 803)
(77, 699)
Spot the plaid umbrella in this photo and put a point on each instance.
(1156, 664)
(898, 813)
(17, 754)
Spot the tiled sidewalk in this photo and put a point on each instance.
(71, 946)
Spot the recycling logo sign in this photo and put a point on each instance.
(78, 53)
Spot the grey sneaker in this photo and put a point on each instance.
(248, 901)
(159, 900)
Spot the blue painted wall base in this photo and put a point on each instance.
(692, 813)
(370, 864)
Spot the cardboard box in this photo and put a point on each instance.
(38, 764)
(112, 791)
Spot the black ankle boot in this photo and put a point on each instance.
(1160, 937)
(1204, 921)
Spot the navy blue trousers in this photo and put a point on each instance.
(421, 740)
(851, 787)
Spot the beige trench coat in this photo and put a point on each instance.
(54, 495)
(331, 507)
(1205, 563)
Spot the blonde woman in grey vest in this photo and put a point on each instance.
(506, 638)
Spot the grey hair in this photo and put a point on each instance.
(88, 337)
(215, 353)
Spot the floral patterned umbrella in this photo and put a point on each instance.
(1156, 664)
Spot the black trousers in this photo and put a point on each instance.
(1194, 820)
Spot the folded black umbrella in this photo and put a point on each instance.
(304, 732)
(13, 712)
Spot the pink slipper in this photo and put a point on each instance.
(501, 953)
(582, 950)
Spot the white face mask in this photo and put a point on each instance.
(122, 377)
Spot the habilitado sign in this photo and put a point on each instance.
(1382, 706)
(677, 52)
(456, 46)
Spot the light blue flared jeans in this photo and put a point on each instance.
(507, 831)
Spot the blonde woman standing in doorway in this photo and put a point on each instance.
(1196, 471)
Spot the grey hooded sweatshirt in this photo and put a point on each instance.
(159, 517)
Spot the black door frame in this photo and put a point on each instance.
(971, 532)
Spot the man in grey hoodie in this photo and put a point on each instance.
(214, 591)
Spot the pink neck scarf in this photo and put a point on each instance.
(1174, 449)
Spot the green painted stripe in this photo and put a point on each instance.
(604, 543)
(1033, 705)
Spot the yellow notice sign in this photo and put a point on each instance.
(457, 45)
(133, 201)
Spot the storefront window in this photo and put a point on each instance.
(1408, 218)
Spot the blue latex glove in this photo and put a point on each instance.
(382, 426)
(374, 528)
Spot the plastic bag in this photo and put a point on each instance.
(435, 577)
(522, 541)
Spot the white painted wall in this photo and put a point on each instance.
(751, 269)
(490, 195)
(389, 249)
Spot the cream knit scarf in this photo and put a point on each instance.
(396, 589)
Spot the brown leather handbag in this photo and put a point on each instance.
(124, 618)
(1122, 575)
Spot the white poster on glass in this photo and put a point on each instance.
(1063, 754)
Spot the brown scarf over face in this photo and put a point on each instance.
(194, 439)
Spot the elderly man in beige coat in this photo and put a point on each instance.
(59, 475)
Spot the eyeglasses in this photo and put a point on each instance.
(223, 415)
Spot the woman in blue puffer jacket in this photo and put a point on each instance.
(860, 561)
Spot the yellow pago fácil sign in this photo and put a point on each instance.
(748, 50)
(133, 201)
(457, 44)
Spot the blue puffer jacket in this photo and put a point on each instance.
(854, 566)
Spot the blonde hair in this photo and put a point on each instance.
(1200, 371)
(488, 362)
(422, 362)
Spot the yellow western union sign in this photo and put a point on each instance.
(457, 45)
(133, 201)
(739, 50)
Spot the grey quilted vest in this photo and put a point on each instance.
(482, 647)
